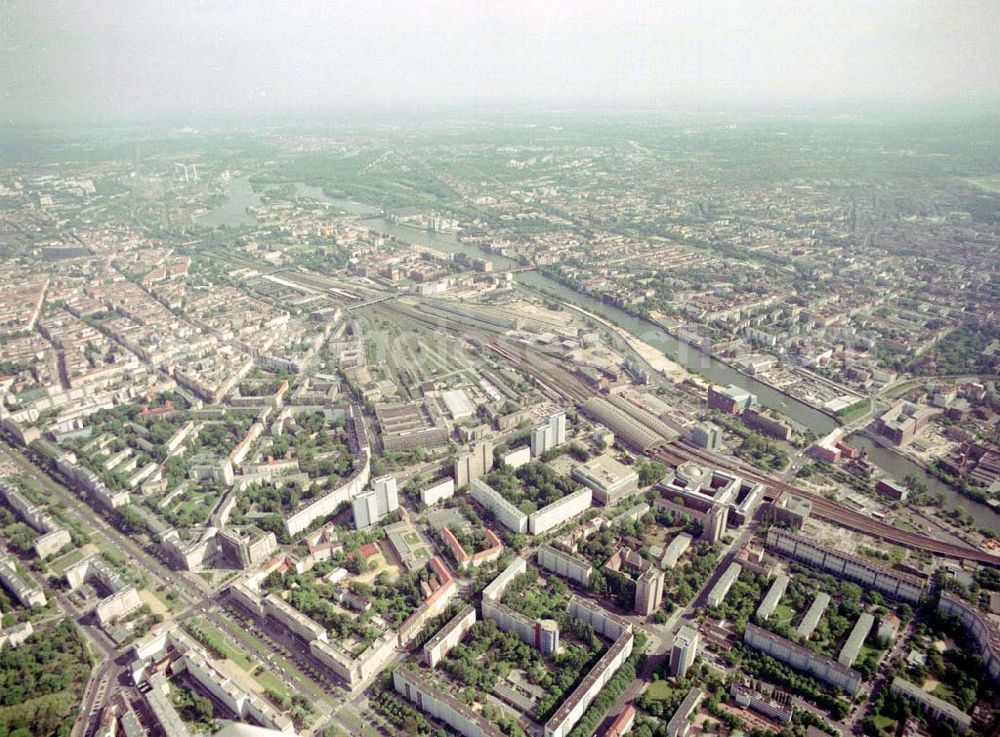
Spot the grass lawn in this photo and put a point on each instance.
(783, 614)
(258, 646)
(855, 411)
(885, 724)
(901, 389)
(271, 682)
(867, 651)
(220, 643)
(59, 565)
(412, 538)
(944, 692)
(659, 690)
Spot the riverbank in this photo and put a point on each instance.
(655, 358)
(690, 358)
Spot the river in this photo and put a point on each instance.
(243, 196)
(233, 211)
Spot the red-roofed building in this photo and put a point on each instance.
(623, 723)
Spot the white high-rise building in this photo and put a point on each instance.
(386, 494)
(548, 436)
(372, 506)
(684, 650)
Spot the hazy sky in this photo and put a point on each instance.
(141, 59)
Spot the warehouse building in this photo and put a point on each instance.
(630, 432)
(409, 426)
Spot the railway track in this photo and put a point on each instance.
(561, 383)
(830, 510)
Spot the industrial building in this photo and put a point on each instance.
(902, 586)
(731, 399)
(801, 658)
(609, 479)
(632, 433)
(902, 422)
(409, 426)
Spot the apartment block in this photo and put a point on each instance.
(801, 658)
(896, 584)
